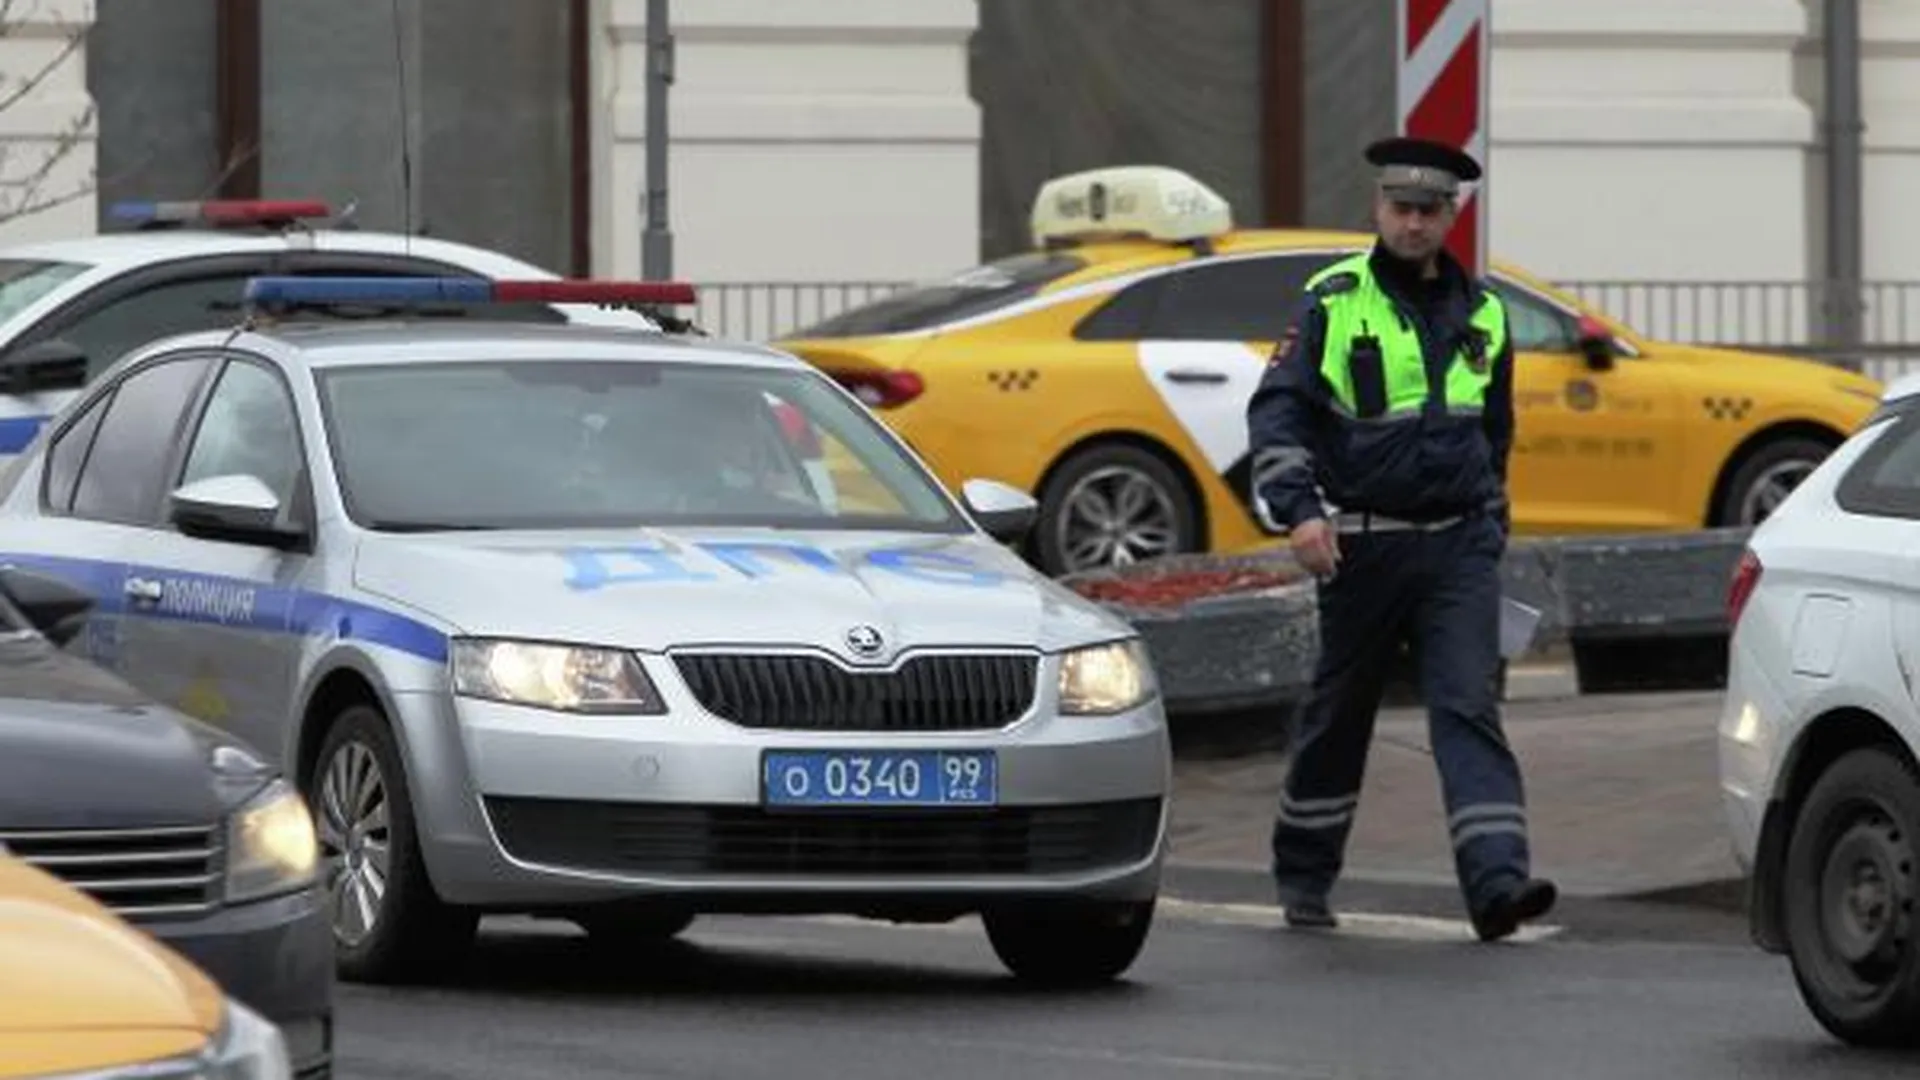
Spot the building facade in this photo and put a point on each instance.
(818, 142)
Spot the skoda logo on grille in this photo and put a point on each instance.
(865, 641)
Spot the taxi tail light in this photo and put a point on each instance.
(1746, 577)
(881, 389)
(151, 213)
(799, 433)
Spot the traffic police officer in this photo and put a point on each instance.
(1380, 433)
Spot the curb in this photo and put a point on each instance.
(1633, 613)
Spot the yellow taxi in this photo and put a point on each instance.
(83, 993)
(1107, 372)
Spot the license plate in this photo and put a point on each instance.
(880, 778)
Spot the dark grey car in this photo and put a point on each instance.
(178, 827)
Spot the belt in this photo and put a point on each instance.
(1362, 521)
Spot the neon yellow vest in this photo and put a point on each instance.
(1357, 307)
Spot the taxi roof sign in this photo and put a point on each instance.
(1154, 202)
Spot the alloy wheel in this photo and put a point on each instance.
(355, 840)
(1115, 516)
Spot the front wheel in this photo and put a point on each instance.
(388, 924)
(1072, 944)
(1849, 894)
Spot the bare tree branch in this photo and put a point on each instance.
(24, 190)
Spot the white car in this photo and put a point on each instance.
(551, 619)
(86, 301)
(1820, 730)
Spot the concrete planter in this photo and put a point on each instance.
(1638, 612)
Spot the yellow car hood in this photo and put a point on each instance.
(80, 989)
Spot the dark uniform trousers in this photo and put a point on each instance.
(1440, 590)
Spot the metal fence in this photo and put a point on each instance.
(1796, 317)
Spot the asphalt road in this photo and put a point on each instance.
(1223, 991)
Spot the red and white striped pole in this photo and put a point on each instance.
(1443, 54)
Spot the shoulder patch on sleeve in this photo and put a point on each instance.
(1336, 284)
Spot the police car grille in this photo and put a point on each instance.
(139, 873)
(956, 692)
(645, 838)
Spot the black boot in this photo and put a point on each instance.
(1311, 914)
(1520, 903)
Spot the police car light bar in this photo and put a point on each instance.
(461, 290)
(218, 211)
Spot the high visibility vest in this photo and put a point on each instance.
(1391, 383)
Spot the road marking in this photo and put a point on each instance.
(1352, 923)
(1364, 924)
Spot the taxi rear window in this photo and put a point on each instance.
(972, 292)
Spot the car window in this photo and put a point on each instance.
(23, 281)
(1885, 480)
(179, 306)
(1228, 300)
(583, 444)
(68, 451)
(122, 479)
(971, 292)
(248, 429)
(1536, 325)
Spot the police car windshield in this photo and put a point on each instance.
(22, 281)
(559, 444)
(973, 292)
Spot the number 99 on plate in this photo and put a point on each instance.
(879, 778)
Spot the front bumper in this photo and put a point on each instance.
(522, 810)
(276, 956)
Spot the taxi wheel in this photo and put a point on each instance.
(388, 925)
(1849, 896)
(1071, 944)
(1112, 504)
(1767, 476)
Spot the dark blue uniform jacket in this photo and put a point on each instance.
(1434, 467)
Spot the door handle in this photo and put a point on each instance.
(142, 589)
(1195, 375)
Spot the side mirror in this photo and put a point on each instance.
(1005, 512)
(53, 364)
(1596, 343)
(238, 508)
(56, 608)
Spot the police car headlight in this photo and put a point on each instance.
(271, 845)
(570, 678)
(1107, 678)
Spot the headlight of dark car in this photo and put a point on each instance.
(271, 845)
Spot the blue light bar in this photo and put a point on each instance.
(369, 290)
(462, 290)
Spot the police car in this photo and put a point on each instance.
(1820, 729)
(556, 620)
(69, 308)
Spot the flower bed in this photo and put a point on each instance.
(1179, 588)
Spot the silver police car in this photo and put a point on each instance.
(615, 626)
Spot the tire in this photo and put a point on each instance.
(1069, 945)
(1103, 467)
(412, 933)
(1790, 459)
(1860, 821)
